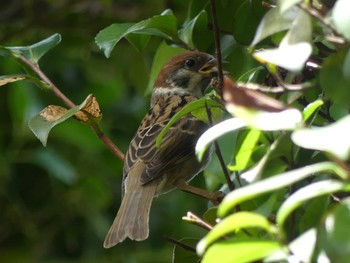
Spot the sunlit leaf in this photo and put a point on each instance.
(36, 51)
(300, 31)
(274, 22)
(311, 109)
(295, 47)
(341, 18)
(333, 138)
(243, 156)
(215, 132)
(254, 173)
(233, 223)
(306, 193)
(163, 25)
(292, 57)
(303, 246)
(240, 250)
(300, 249)
(273, 183)
(271, 121)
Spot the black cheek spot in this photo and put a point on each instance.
(182, 82)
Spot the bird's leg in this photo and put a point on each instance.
(215, 198)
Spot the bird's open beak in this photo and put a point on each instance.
(209, 67)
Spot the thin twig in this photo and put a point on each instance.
(180, 244)
(53, 87)
(194, 219)
(110, 145)
(217, 46)
(277, 89)
(230, 184)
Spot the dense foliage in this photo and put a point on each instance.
(282, 128)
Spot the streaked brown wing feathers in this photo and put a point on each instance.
(177, 145)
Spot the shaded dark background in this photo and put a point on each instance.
(57, 203)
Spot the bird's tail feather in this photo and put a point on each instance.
(133, 216)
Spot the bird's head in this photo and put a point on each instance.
(187, 73)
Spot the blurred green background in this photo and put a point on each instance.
(57, 203)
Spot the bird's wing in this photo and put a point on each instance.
(177, 145)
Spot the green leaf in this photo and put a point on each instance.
(42, 123)
(36, 51)
(334, 81)
(181, 255)
(341, 18)
(337, 111)
(194, 105)
(240, 250)
(250, 74)
(254, 173)
(333, 138)
(138, 41)
(231, 224)
(164, 26)
(215, 132)
(186, 32)
(306, 193)
(273, 183)
(311, 109)
(291, 57)
(248, 14)
(163, 54)
(243, 156)
(295, 47)
(335, 233)
(314, 211)
(272, 23)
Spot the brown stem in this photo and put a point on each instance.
(53, 87)
(219, 155)
(110, 145)
(217, 46)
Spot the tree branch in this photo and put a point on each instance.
(217, 45)
(110, 145)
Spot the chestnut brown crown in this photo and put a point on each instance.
(187, 73)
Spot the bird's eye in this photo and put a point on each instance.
(190, 63)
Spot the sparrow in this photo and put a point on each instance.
(150, 171)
